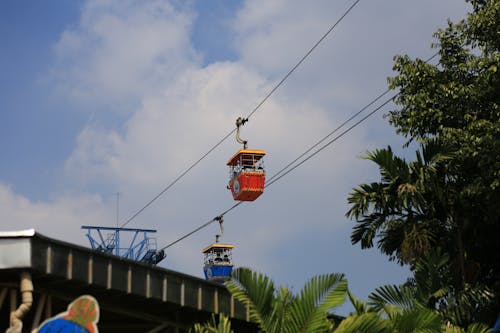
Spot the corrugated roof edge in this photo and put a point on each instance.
(18, 233)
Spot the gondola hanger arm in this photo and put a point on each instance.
(240, 122)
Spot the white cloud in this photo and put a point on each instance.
(353, 62)
(273, 35)
(60, 217)
(96, 156)
(120, 51)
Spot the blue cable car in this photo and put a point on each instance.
(218, 263)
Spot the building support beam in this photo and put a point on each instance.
(3, 295)
(160, 328)
(38, 312)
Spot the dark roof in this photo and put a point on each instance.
(133, 296)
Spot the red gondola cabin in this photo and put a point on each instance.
(247, 176)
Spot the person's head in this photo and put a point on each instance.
(84, 311)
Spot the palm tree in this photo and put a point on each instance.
(404, 209)
(432, 288)
(278, 310)
(403, 315)
(391, 309)
(414, 320)
(222, 325)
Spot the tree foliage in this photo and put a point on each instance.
(220, 325)
(402, 208)
(432, 288)
(279, 310)
(390, 309)
(424, 304)
(448, 197)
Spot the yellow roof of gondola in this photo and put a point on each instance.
(217, 245)
(258, 155)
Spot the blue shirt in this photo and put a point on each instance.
(496, 327)
(60, 325)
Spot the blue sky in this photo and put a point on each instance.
(100, 97)
(26, 50)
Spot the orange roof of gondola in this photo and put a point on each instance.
(257, 153)
(224, 246)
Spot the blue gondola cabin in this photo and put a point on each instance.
(218, 263)
(247, 176)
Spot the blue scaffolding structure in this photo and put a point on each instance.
(141, 247)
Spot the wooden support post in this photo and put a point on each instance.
(182, 293)
(200, 294)
(148, 285)
(48, 263)
(129, 280)
(38, 312)
(48, 307)
(216, 301)
(69, 271)
(109, 275)
(159, 328)
(13, 304)
(231, 307)
(164, 290)
(3, 295)
(90, 276)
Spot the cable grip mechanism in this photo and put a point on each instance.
(240, 122)
(220, 219)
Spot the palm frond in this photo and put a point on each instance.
(360, 307)
(434, 153)
(280, 316)
(367, 229)
(363, 323)
(362, 197)
(399, 296)
(432, 276)
(391, 166)
(462, 307)
(222, 325)
(255, 289)
(308, 311)
(417, 320)
(478, 328)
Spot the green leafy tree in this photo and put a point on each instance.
(457, 104)
(402, 209)
(407, 308)
(391, 309)
(432, 288)
(448, 198)
(392, 319)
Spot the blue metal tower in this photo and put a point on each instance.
(140, 247)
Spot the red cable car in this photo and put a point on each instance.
(247, 175)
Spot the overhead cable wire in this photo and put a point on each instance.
(302, 59)
(206, 224)
(177, 179)
(328, 135)
(276, 178)
(281, 173)
(271, 92)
